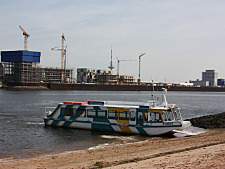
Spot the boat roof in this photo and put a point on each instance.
(120, 104)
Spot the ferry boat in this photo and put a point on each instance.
(145, 118)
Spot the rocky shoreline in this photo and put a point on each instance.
(210, 121)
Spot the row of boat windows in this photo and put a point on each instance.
(112, 114)
(171, 115)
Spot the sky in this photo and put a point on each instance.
(181, 38)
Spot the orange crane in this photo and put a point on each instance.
(118, 67)
(26, 36)
(139, 75)
(63, 54)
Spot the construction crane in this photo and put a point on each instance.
(26, 36)
(139, 75)
(118, 67)
(63, 54)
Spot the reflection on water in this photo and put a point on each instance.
(22, 131)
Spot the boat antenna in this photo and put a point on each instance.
(164, 97)
(153, 90)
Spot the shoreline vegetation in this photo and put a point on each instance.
(206, 150)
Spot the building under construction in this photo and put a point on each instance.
(23, 66)
(102, 76)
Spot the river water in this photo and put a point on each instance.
(22, 131)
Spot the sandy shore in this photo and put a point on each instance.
(206, 157)
(206, 150)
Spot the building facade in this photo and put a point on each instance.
(200, 83)
(221, 82)
(102, 76)
(1, 72)
(23, 66)
(86, 75)
(106, 79)
(127, 80)
(211, 76)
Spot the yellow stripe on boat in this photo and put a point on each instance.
(70, 124)
(58, 123)
(56, 111)
(47, 122)
(117, 109)
(123, 128)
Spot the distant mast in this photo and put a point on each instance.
(111, 64)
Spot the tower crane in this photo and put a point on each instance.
(139, 75)
(118, 67)
(26, 36)
(63, 54)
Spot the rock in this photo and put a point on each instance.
(210, 121)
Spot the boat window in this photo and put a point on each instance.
(164, 116)
(112, 114)
(176, 113)
(132, 116)
(123, 115)
(139, 116)
(69, 112)
(158, 117)
(62, 112)
(154, 117)
(102, 114)
(151, 116)
(170, 115)
(146, 116)
(91, 113)
(81, 113)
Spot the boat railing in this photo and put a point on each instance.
(49, 110)
(126, 103)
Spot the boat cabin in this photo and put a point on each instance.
(121, 113)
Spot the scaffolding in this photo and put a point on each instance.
(106, 79)
(30, 72)
(56, 75)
